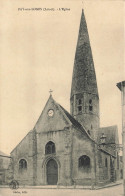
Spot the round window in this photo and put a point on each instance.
(50, 112)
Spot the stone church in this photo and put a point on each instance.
(69, 148)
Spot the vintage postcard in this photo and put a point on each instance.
(61, 114)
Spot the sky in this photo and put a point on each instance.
(37, 54)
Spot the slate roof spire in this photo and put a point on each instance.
(84, 99)
(84, 77)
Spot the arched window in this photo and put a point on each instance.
(79, 105)
(50, 148)
(84, 162)
(79, 108)
(106, 162)
(22, 164)
(90, 105)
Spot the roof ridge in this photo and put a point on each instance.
(75, 122)
(60, 107)
(70, 115)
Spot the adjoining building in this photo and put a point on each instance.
(4, 168)
(63, 148)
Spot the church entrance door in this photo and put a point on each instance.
(52, 172)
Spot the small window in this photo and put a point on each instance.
(106, 162)
(79, 108)
(84, 162)
(90, 101)
(22, 164)
(79, 105)
(90, 108)
(90, 105)
(50, 148)
(79, 101)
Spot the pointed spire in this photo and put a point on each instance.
(84, 78)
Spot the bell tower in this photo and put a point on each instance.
(84, 98)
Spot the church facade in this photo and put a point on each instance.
(63, 148)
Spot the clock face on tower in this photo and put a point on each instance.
(50, 112)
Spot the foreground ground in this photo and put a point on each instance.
(111, 191)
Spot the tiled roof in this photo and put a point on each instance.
(111, 134)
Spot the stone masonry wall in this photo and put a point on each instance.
(82, 145)
(62, 141)
(24, 150)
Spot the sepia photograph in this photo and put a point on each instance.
(62, 98)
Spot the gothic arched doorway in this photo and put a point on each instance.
(52, 172)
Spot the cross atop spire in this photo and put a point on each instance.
(50, 91)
